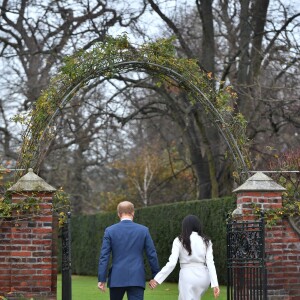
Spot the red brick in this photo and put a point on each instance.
(20, 253)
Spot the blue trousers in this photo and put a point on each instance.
(133, 293)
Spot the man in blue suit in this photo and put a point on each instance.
(126, 241)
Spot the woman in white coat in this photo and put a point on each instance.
(197, 268)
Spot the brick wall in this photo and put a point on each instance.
(282, 245)
(5, 262)
(28, 256)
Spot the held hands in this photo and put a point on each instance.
(101, 286)
(216, 291)
(153, 284)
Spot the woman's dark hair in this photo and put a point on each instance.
(189, 224)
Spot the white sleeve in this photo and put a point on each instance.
(169, 267)
(211, 266)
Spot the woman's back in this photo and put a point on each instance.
(198, 250)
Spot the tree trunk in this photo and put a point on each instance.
(210, 157)
(207, 58)
(259, 21)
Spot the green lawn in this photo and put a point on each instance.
(85, 288)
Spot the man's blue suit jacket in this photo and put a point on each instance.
(127, 241)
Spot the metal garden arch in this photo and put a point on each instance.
(117, 55)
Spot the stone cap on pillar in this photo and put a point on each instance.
(31, 182)
(260, 182)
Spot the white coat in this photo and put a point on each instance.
(197, 270)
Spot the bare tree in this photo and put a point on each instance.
(34, 38)
(249, 44)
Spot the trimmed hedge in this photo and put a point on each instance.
(164, 222)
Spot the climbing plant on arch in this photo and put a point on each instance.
(117, 55)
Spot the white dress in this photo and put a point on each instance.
(197, 270)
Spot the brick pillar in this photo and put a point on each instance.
(282, 242)
(31, 256)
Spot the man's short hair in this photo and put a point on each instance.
(126, 208)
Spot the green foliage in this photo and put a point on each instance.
(29, 206)
(286, 172)
(87, 233)
(61, 205)
(164, 222)
(272, 216)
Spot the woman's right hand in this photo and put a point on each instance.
(216, 291)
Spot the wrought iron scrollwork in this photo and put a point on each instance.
(245, 242)
(246, 271)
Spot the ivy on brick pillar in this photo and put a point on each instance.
(282, 243)
(33, 250)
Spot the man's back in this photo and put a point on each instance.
(127, 242)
